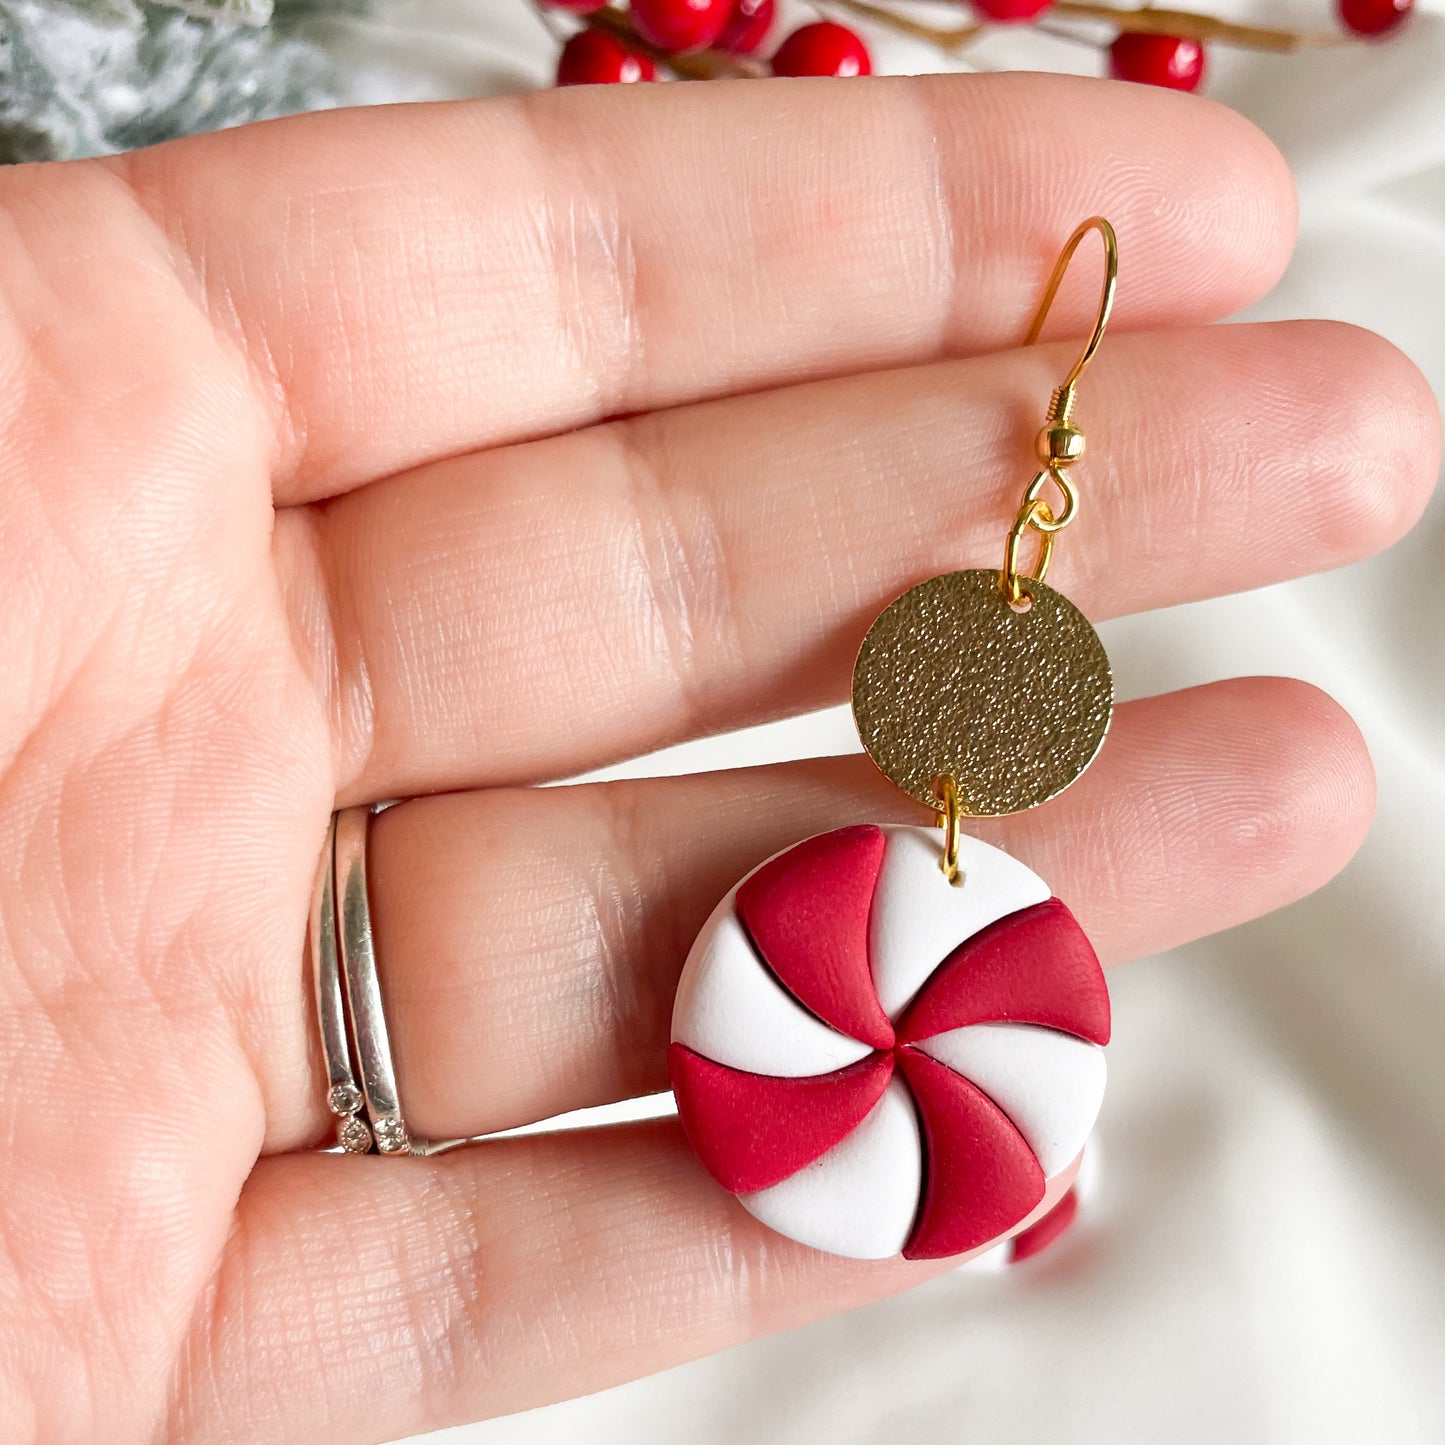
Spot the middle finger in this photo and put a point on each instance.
(529, 612)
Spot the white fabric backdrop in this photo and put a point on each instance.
(1265, 1263)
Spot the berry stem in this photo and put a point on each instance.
(1152, 21)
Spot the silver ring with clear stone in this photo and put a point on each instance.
(343, 1097)
(349, 1013)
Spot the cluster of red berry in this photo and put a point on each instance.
(737, 27)
(600, 54)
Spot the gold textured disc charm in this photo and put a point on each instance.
(951, 679)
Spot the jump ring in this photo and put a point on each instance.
(946, 786)
(1013, 576)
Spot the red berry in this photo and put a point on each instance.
(678, 25)
(1373, 17)
(1167, 60)
(1010, 12)
(748, 26)
(591, 58)
(823, 48)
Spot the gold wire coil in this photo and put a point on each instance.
(1061, 404)
(951, 821)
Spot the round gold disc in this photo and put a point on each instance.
(951, 679)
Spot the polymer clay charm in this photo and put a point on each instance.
(887, 1041)
(878, 1062)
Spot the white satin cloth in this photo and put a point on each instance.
(1264, 1261)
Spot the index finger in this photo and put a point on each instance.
(410, 282)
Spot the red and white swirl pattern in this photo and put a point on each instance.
(879, 1062)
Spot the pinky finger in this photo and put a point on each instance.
(366, 1299)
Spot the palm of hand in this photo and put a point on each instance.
(205, 655)
(168, 766)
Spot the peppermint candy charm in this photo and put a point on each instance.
(877, 1061)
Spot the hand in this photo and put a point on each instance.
(309, 495)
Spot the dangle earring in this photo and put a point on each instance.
(886, 1039)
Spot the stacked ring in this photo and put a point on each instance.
(350, 1016)
(343, 1097)
(363, 987)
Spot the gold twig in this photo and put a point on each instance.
(1187, 24)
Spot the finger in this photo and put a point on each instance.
(537, 611)
(410, 282)
(367, 1299)
(530, 941)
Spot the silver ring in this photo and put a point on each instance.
(363, 987)
(343, 1097)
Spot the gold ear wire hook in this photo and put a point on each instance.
(1060, 443)
(1062, 403)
